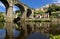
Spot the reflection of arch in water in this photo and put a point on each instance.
(29, 29)
(24, 33)
(21, 35)
(29, 12)
(7, 36)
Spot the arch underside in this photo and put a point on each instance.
(19, 5)
(21, 8)
(29, 12)
(5, 2)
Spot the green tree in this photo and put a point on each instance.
(19, 12)
(51, 8)
(1, 17)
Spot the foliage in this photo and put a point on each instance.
(50, 9)
(40, 12)
(56, 14)
(53, 8)
(54, 36)
(17, 11)
(19, 14)
(1, 17)
(56, 8)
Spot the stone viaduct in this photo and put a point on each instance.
(26, 11)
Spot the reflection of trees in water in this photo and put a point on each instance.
(54, 29)
(34, 26)
(42, 27)
(1, 25)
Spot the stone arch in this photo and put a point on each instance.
(5, 2)
(21, 7)
(29, 12)
(22, 10)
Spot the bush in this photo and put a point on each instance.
(55, 14)
(54, 36)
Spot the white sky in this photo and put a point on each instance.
(56, 1)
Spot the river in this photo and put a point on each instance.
(29, 30)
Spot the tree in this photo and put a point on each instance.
(51, 8)
(1, 17)
(17, 11)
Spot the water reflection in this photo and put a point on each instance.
(28, 30)
(55, 29)
(2, 33)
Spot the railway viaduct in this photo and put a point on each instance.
(26, 11)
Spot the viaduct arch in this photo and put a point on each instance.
(25, 10)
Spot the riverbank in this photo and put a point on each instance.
(44, 20)
(38, 20)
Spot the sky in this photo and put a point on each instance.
(31, 3)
